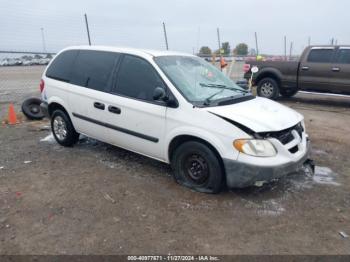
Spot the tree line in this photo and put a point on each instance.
(240, 49)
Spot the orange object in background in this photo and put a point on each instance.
(12, 117)
(223, 63)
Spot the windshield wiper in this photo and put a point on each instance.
(222, 86)
(208, 99)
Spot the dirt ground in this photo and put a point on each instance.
(99, 199)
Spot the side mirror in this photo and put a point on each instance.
(172, 102)
(159, 93)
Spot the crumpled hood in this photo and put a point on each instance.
(259, 114)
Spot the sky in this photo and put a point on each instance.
(190, 24)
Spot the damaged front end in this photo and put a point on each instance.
(293, 152)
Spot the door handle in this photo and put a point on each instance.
(99, 105)
(305, 68)
(336, 69)
(114, 110)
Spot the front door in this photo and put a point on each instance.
(136, 120)
(314, 70)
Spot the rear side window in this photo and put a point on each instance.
(343, 56)
(137, 79)
(320, 56)
(61, 66)
(93, 69)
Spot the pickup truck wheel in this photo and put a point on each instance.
(288, 92)
(196, 166)
(62, 129)
(268, 88)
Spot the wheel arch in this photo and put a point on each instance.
(269, 73)
(54, 106)
(180, 139)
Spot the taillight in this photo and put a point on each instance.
(246, 68)
(42, 85)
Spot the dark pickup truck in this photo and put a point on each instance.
(323, 69)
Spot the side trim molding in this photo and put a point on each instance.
(117, 128)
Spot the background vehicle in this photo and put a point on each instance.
(320, 68)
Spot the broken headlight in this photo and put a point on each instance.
(255, 147)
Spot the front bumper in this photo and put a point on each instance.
(239, 175)
(44, 106)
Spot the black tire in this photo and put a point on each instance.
(288, 92)
(268, 88)
(31, 109)
(71, 136)
(196, 166)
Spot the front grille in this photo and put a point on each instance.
(285, 136)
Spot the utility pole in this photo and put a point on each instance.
(219, 43)
(290, 50)
(87, 28)
(285, 48)
(165, 37)
(43, 39)
(332, 41)
(256, 44)
(309, 41)
(198, 39)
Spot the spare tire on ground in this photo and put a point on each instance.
(31, 109)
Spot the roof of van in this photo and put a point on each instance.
(127, 50)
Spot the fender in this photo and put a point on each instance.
(200, 133)
(270, 71)
(58, 100)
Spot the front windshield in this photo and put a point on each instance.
(198, 80)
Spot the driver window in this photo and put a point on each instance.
(137, 79)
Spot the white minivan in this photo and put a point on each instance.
(176, 108)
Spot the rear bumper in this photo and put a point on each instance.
(239, 175)
(44, 106)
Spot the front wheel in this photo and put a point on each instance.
(62, 129)
(196, 166)
(268, 88)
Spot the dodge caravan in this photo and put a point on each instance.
(176, 108)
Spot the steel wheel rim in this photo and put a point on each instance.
(35, 109)
(196, 169)
(60, 128)
(267, 89)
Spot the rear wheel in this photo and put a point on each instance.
(288, 92)
(62, 128)
(268, 88)
(196, 166)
